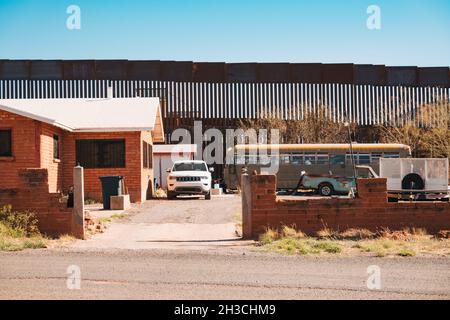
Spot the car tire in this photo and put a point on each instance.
(171, 195)
(326, 189)
(208, 196)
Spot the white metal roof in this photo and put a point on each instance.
(90, 115)
(175, 148)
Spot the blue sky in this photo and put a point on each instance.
(413, 32)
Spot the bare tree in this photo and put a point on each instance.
(317, 126)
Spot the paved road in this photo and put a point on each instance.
(183, 223)
(220, 274)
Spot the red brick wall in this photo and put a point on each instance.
(54, 166)
(32, 143)
(132, 172)
(25, 148)
(369, 210)
(32, 195)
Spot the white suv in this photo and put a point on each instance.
(190, 177)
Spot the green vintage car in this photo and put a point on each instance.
(328, 185)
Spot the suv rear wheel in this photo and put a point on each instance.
(325, 189)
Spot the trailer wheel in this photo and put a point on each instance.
(325, 189)
(413, 181)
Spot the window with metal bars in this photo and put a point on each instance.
(56, 152)
(5, 143)
(147, 155)
(101, 153)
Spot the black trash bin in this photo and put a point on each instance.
(111, 186)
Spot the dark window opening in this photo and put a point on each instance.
(56, 154)
(101, 153)
(5, 143)
(147, 155)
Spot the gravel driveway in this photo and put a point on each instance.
(183, 223)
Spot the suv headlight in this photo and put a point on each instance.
(171, 178)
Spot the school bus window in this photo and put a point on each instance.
(391, 155)
(285, 159)
(376, 156)
(322, 158)
(310, 159)
(297, 159)
(338, 159)
(364, 159)
(355, 158)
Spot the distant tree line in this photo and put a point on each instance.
(318, 126)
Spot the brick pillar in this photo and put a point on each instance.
(372, 189)
(246, 194)
(78, 203)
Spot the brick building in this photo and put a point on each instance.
(105, 136)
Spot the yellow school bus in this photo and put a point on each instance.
(317, 159)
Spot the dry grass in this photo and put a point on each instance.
(292, 232)
(291, 241)
(327, 233)
(115, 216)
(160, 194)
(13, 239)
(404, 243)
(61, 241)
(357, 234)
(89, 201)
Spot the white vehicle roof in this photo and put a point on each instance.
(174, 148)
(189, 161)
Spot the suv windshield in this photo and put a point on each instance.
(189, 166)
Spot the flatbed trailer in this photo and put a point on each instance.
(416, 178)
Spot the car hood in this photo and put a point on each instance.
(190, 174)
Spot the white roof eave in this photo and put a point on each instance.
(32, 109)
(113, 129)
(34, 116)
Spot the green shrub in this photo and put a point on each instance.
(327, 246)
(405, 252)
(21, 223)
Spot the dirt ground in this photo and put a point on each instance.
(183, 223)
